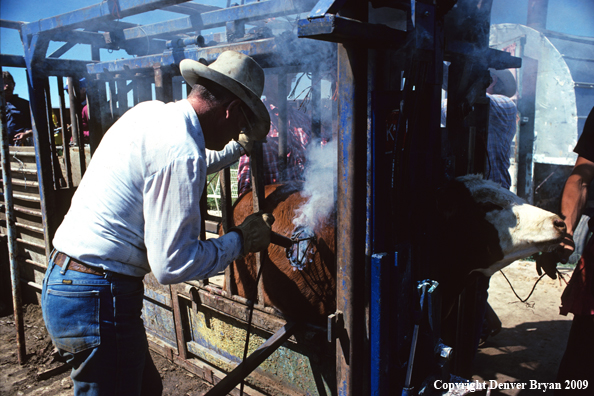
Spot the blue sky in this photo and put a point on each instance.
(566, 16)
(33, 10)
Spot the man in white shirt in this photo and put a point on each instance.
(137, 210)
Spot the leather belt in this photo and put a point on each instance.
(76, 265)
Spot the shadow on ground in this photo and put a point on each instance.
(528, 351)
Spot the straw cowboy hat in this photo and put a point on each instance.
(241, 75)
(507, 82)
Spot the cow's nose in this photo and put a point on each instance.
(559, 224)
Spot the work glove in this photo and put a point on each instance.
(255, 231)
(548, 262)
(245, 142)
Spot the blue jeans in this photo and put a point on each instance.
(95, 323)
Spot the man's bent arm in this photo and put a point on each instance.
(575, 193)
(217, 160)
(172, 226)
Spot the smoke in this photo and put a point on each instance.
(320, 185)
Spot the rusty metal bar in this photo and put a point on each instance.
(143, 89)
(226, 217)
(73, 94)
(226, 198)
(236, 307)
(11, 233)
(163, 89)
(352, 137)
(47, 196)
(32, 284)
(282, 124)
(253, 361)
(96, 99)
(31, 262)
(57, 170)
(25, 183)
(26, 197)
(28, 211)
(105, 114)
(64, 133)
(316, 111)
(258, 195)
(113, 101)
(182, 350)
(122, 96)
(257, 173)
(30, 243)
(53, 372)
(203, 214)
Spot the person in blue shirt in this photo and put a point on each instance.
(502, 129)
(18, 114)
(502, 126)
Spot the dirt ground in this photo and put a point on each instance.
(529, 347)
(532, 341)
(43, 374)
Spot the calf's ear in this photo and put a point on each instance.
(451, 199)
(490, 206)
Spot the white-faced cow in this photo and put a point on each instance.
(482, 228)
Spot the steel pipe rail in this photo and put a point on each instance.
(104, 11)
(208, 20)
(265, 46)
(11, 233)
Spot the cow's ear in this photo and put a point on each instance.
(490, 206)
(451, 198)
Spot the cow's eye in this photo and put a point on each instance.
(490, 206)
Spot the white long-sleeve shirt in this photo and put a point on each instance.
(137, 209)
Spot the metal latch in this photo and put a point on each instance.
(335, 325)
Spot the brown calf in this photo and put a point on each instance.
(307, 294)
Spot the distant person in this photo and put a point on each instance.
(18, 115)
(82, 96)
(503, 114)
(502, 126)
(298, 138)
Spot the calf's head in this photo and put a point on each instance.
(484, 227)
(522, 229)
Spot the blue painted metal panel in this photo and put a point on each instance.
(159, 322)
(380, 329)
(157, 312)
